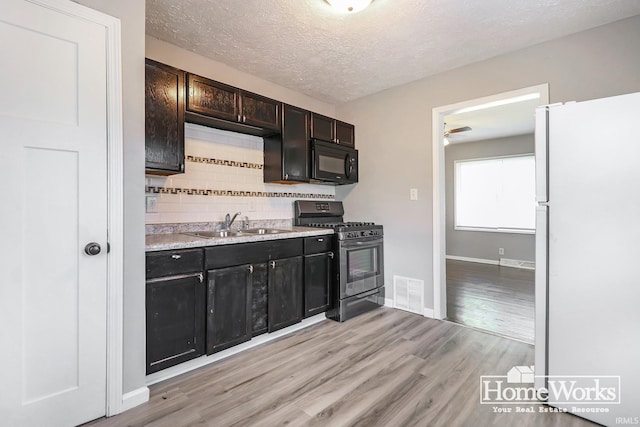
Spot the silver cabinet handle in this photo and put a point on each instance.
(331, 255)
(286, 176)
(272, 264)
(200, 277)
(337, 140)
(244, 119)
(176, 256)
(239, 118)
(320, 240)
(251, 269)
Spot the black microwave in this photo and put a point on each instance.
(333, 163)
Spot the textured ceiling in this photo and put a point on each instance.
(305, 46)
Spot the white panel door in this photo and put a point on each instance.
(53, 170)
(594, 249)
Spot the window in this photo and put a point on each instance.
(495, 194)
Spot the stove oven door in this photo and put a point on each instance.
(361, 266)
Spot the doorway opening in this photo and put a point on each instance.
(480, 134)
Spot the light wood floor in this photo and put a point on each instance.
(384, 368)
(492, 298)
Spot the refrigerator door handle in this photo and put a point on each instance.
(541, 296)
(541, 148)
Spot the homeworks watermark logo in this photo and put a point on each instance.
(517, 388)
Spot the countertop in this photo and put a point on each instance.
(163, 242)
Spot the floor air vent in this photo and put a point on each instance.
(408, 294)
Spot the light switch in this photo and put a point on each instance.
(413, 194)
(151, 204)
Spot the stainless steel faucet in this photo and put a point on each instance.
(228, 220)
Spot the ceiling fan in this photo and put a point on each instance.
(456, 130)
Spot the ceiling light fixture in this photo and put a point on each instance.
(498, 103)
(349, 6)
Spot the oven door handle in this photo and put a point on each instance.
(372, 243)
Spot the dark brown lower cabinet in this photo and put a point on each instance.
(317, 283)
(229, 297)
(259, 301)
(285, 292)
(175, 320)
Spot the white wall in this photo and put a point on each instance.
(482, 244)
(393, 128)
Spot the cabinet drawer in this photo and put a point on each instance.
(318, 244)
(170, 263)
(251, 253)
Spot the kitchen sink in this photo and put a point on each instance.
(264, 231)
(235, 233)
(216, 233)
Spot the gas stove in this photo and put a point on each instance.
(329, 215)
(350, 230)
(339, 224)
(358, 263)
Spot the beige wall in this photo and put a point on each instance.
(193, 63)
(482, 244)
(132, 17)
(393, 129)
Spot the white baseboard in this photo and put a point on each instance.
(480, 260)
(503, 262)
(428, 312)
(516, 263)
(135, 398)
(190, 365)
(388, 302)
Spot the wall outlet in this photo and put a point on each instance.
(413, 194)
(151, 203)
(500, 251)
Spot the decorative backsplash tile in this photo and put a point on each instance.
(233, 163)
(203, 192)
(223, 174)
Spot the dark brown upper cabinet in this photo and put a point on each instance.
(212, 98)
(345, 134)
(287, 156)
(164, 119)
(332, 130)
(323, 128)
(216, 104)
(257, 110)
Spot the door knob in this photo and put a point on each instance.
(92, 248)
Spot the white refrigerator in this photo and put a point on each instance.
(587, 344)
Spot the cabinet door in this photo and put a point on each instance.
(212, 98)
(164, 119)
(345, 134)
(322, 127)
(285, 292)
(295, 144)
(287, 156)
(260, 111)
(259, 301)
(317, 283)
(175, 320)
(228, 307)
